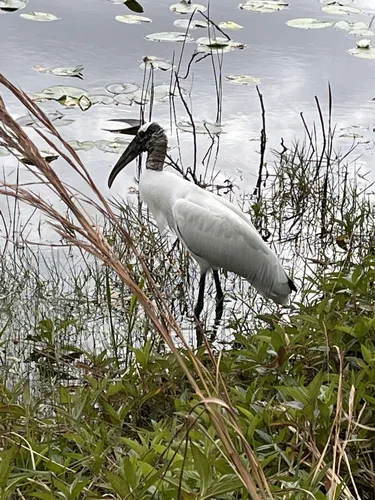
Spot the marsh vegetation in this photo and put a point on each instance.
(102, 391)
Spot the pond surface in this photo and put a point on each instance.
(294, 65)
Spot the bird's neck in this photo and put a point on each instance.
(156, 156)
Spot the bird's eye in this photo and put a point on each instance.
(141, 134)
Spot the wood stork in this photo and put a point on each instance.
(212, 229)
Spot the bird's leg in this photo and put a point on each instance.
(198, 309)
(219, 303)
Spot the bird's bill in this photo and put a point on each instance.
(131, 152)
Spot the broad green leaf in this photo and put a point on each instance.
(202, 466)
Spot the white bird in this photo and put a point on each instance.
(216, 232)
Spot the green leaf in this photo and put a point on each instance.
(6, 457)
(367, 354)
(226, 484)
(119, 484)
(203, 467)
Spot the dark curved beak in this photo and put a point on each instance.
(131, 152)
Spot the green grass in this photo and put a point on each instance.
(303, 390)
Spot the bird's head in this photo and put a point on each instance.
(147, 137)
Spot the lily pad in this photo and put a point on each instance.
(154, 62)
(203, 127)
(242, 79)
(133, 19)
(190, 24)
(308, 23)
(39, 16)
(218, 44)
(169, 36)
(185, 7)
(347, 26)
(12, 5)
(81, 145)
(229, 25)
(110, 146)
(73, 71)
(101, 99)
(335, 2)
(339, 9)
(264, 6)
(124, 99)
(363, 53)
(27, 121)
(353, 131)
(122, 140)
(57, 92)
(57, 119)
(361, 33)
(49, 156)
(141, 96)
(83, 102)
(122, 88)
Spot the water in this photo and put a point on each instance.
(293, 65)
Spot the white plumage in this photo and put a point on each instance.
(214, 230)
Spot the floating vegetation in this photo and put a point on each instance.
(124, 99)
(357, 28)
(339, 9)
(122, 88)
(229, 25)
(154, 62)
(348, 26)
(111, 146)
(335, 2)
(101, 99)
(58, 119)
(352, 132)
(190, 24)
(12, 5)
(363, 44)
(67, 96)
(363, 50)
(133, 19)
(203, 127)
(308, 23)
(81, 145)
(39, 16)
(242, 79)
(362, 33)
(75, 71)
(263, 6)
(206, 44)
(185, 7)
(141, 96)
(169, 36)
(47, 155)
(57, 92)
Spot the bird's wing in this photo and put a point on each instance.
(234, 208)
(214, 233)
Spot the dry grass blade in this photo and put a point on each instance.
(85, 233)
